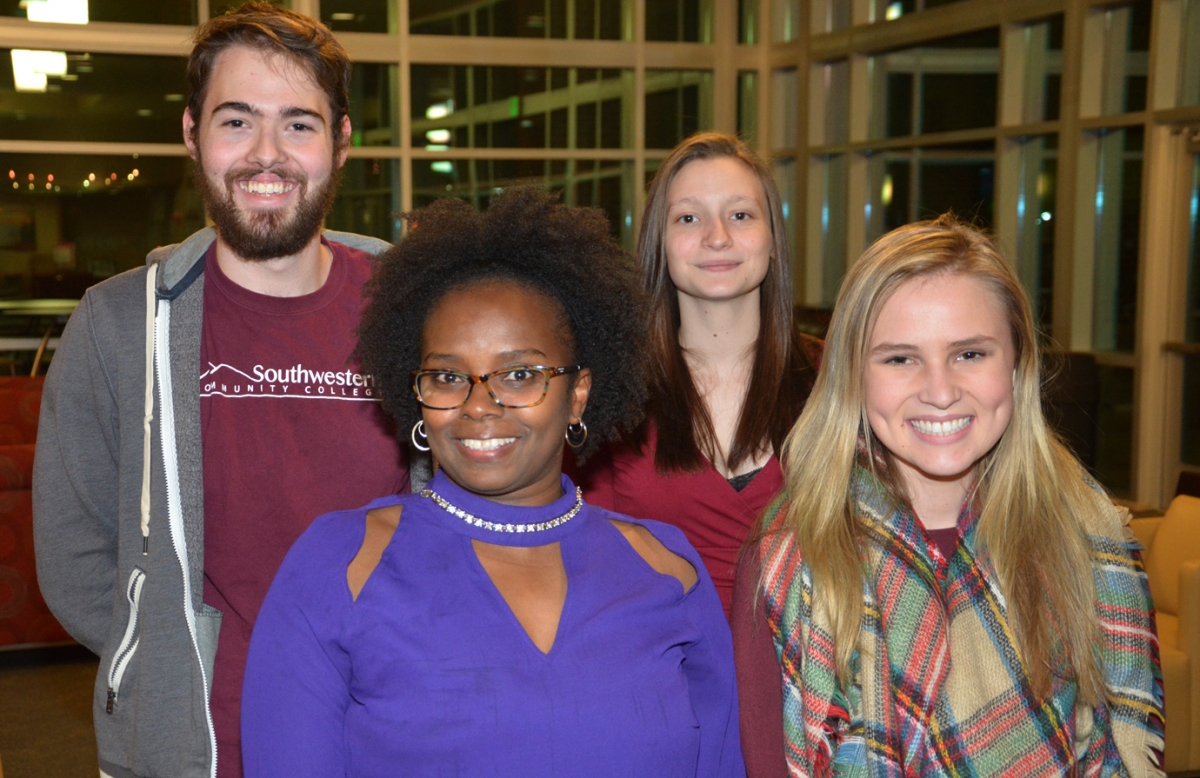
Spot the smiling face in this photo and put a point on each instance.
(939, 378)
(264, 151)
(718, 233)
(510, 455)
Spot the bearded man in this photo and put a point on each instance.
(201, 411)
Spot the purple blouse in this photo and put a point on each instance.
(429, 673)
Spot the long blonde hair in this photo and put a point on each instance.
(1030, 490)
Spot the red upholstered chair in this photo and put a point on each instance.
(24, 617)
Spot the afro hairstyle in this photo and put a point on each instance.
(525, 236)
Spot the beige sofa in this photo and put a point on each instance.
(1172, 561)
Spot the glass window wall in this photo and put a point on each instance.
(1036, 185)
(577, 19)
(360, 15)
(605, 184)
(1126, 58)
(1189, 61)
(68, 221)
(1042, 70)
(128, 11)
(1118, 230)
(678, 104)
(465, 106)
(97, 97)
(939, 86)
(687, 21)
(906, 185)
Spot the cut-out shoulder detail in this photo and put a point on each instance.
(381, 525)
(658, 556)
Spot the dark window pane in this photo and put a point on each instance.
(511, 107)
(368, 200)
(677, 105)
(218, 7)
(81, 218)
(967, 188)
(899, 105)
(1114, 455)
(585, 126)
(674, 20)
(1190, 452)
(1118, 224)
(610, 124)
(558, 129)
(594, 19)
(103, 97)
(943, 107)
(954, 81)
(373, 105)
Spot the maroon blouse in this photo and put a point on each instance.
(715, 517)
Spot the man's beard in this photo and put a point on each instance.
(268, 233)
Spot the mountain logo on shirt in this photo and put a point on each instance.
(296, 381)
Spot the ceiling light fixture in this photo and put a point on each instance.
(57, 11)
(30, 68)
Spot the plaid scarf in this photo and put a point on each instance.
(939, 687)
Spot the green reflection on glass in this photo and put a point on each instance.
(373, 104)
(747, 101)
(465, 106)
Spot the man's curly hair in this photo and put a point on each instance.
(528, 237)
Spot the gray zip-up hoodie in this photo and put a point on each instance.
(118, 509)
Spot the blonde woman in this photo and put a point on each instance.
(945, 590)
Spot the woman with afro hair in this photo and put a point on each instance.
(495, 624)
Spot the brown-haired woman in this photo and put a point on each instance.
(729, 374)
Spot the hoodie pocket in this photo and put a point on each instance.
(129, 641)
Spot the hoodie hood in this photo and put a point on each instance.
(179, 264)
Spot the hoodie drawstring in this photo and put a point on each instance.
(148, 414)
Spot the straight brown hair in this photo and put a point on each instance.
(781, 376)
(270, 28)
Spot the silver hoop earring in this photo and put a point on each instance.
(419, 429)
(576, 434)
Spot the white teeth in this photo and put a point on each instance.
(265, 187)
(941, 427)
(476, 444)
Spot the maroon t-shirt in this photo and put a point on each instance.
(291, 429)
